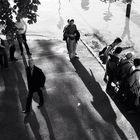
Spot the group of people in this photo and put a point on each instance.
(21, 38)
(124, 71)
(35, 76)
(71, 35)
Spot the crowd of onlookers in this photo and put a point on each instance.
(123, 71)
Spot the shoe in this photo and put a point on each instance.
(40, 105)
(14, 59)
(25, 112)
(76, 57)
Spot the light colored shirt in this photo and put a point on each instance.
(22, 27)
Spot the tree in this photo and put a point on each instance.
(10, 9)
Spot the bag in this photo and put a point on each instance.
(77, 36)
(64, 36)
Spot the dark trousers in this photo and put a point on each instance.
(12, 51)
(22, 40)
(67, 45)
(30, 96)
(3, 57)
(110, 80)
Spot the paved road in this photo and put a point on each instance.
(76, 106)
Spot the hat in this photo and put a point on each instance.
(117, 40)
(137, 62)
(129, 55)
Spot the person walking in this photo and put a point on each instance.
(21, 35)
(133, 95)
(64, 34)
(36, 80)
(10, 40)
(3, 54)
(70, 33)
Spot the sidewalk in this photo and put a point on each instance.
(76, 106)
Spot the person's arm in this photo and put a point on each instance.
(25, 25)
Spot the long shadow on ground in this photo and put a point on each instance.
(73, 121)
(100, 100)
(133, 118)
(31, 118)
(11, 123)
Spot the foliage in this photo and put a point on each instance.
(10, 9)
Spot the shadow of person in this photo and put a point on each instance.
(20, 73)
(100, 100)
(32, 121)
(49, 125)
(85, 4)
(126, 31)
(11, 119)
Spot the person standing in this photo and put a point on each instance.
(3, 54)
(71, 39)
(112, 67)
(21, 35)
(10, 40)
(36, 80)
(133, 95)
(64, 34)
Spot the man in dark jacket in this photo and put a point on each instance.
(36, 80)
(3, 54)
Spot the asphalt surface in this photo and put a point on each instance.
(76, 106)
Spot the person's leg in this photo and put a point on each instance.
(20, 44)
(67, 46)
(1, 60)
(12, 52)
(69, 41)
(1, 57)
(130, 102)
(25, 44)
(74, 47)
(40, 94)
(29, 101)
(5, 58)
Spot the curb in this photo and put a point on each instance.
(93, 54)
